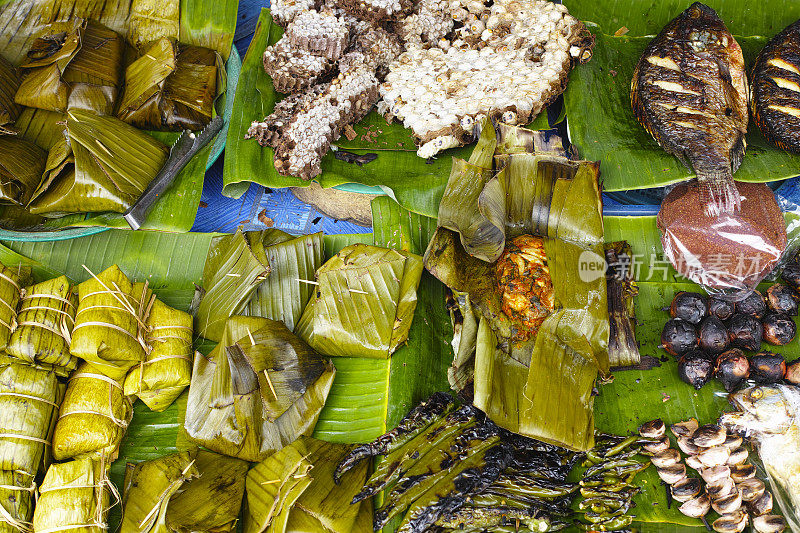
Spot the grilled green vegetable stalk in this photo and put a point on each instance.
(689, 91)
(623, 350)
(419, 419)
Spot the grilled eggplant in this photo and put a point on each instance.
(775, 90)
(689, 91)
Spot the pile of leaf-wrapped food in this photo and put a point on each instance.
(539, 334)
(78, 104)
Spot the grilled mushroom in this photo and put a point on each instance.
(657, 446)
(732, 442)
(686, 489)
(693, 462)
(709, 435)
(715, 473)
(741, 472)
(721, 488)
(688, 447)
(761, 505)
(738, 456)
(729, 504)
(684, 429)
(714, 456)
(769, 523)
(668, 457)
(655, 429)
(672, 474)
(731, 523)
(696, 507)
(751, 489)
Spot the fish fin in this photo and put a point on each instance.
(718, 193)
(730, 92)
(737, 153)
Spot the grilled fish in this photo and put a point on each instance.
(775, 90)
(689, 91)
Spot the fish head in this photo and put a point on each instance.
(762, 409)
(702, 30)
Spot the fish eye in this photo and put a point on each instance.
(756, 393)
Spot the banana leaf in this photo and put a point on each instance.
(9, 111)
(602, 126)
(28, 398)
(105, 165)
(74, 496)
(293, 490)
(65, 58)
(364, 304)
(16, 500)
(45, 320)
(20, 169)
(623, 350)
(166, 370)
(148, 487)
(228, 409)
(93, 417)
(210, 502)
(12, 279)
(285, 293)
(151, 21)
(461, 373)
(108, 329)
(171, 87)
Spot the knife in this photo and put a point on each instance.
(182, 151)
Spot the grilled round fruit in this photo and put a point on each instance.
(775, 90)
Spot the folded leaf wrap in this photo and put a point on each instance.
(16, 500)
(11, 282)
(9, 110)
(74, 496)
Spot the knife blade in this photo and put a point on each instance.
(182, 151)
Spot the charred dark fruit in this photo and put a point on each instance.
(689, 91)
(791, 273)
(713, 336)
(775, 102)
(720, 308)
(793, 372)
(752, 304)
(695, 371)
(767, 368)
(688, 306)
(732, 369)
(779, 329)
(678, 337)
(782, 299)
(745, 332)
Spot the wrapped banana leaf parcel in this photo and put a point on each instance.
(294, 490)
(257, 391)
(258, 273)
(93, 418)
(21, 169)
(45, 320)
(364, 303)
(16, 501)
(171, 87)
(9, 110)
(102, 164)
(526, 244)
(69, 60)
(12, 280)
(167, 369)
(74, 496)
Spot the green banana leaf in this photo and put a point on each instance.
(415, 183)
(603, 128)
(150, 21)
(648, 17)
(201, 23)
(9, 82)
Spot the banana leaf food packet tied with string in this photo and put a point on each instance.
(74, 496)
(109, 331)
(93, 418)
(28, 400)
(16, 499)
(9, 110)
(12, 280)
(294, 490)
(102, 164)
(526, 219)
(257, 391)
(731, 253)
(167, 368)
(148, 487)
(45, 320)
(170, 87)
(21, 168)
(364, 303)
(70, 58)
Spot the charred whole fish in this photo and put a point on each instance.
(775, 89)
(689, 91)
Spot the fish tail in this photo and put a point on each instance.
(718, 194)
